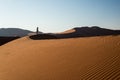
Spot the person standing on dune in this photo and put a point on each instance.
(37, 31)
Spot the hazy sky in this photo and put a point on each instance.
(59, 15)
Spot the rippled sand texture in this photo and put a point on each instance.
(93, 58)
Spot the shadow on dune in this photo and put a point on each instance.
(4, 40)
(43, 36)
(78, 32)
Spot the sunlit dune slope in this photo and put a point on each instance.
(93, 58)
(67, 31)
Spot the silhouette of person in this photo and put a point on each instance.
(37, 30)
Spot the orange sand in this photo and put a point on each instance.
(67, 31)
(93, 58)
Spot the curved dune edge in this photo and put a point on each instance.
(93, 58)
(67, 31)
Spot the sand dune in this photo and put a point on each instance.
(93, 58)
(67, 31)
(87, 32)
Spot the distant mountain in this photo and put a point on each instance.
(14, 32)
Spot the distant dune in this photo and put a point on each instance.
(77, 32)
(87, 32)
(90, 58)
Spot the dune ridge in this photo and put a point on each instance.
(72, 33)
(90, 58)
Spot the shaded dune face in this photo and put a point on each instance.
(4, 40)
(93, 58)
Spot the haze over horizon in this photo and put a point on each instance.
(59, 15)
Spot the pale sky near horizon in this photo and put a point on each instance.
(59, 15)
